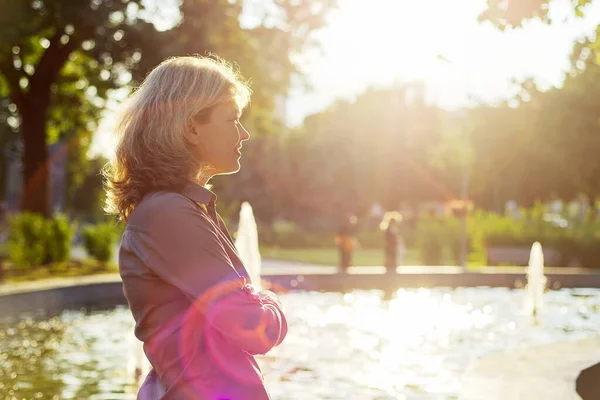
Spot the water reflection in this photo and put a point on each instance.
(74, 356)
(414, 344)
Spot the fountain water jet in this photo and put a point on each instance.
(536, 281)
(246, 243)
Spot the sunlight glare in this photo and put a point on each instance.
(393, 38)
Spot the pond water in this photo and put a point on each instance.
(359, 345)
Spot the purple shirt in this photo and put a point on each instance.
(186, 288)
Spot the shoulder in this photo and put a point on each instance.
(156, 201)
(160, 209)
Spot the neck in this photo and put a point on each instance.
(202, 180)
(204, 175)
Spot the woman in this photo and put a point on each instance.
(346, 241)
(394, 245)
(198, 316)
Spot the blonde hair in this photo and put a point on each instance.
(388, 218)
(151, 152)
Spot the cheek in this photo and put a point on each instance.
(230, 137)
(221, 143)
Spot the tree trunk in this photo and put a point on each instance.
(36, 173)
(33, 108)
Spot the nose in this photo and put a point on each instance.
(244, 135)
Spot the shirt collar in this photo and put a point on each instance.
(199, 193)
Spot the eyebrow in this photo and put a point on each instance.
(234, 108)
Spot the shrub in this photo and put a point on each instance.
(34, 240)
(27, 240)
(99, 241)
(58, 239)
(289, 235)
(285, 234)
(429, 240)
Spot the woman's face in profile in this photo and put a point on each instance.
(217, 141)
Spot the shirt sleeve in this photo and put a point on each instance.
(181, 246)
(253, 321)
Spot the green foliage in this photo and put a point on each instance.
(430, 241)
(59, 238)
(34, 240)
(60, 60)
(557, 130)
(370, 239)
(510, 14)
(99, 241)
(27, 240)
(437, 237)
(578, 243)
(290, 235)
(389, 148)
(374, 149)
(86, 195)
(530, 226)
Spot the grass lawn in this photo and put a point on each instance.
(329, 256)
(58, 270)
(315, 256)
(12, 274)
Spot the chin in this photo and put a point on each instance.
(231, 170)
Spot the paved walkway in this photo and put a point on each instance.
(546, 372)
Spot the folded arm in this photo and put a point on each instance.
(182, 246)
(254, 321)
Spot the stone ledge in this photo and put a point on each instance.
(99, 291)
(53, 300)
(54, 283)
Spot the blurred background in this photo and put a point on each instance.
(474, 124)
(477, 121)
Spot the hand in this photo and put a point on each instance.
(269, 296)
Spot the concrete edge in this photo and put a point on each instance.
(105, 291)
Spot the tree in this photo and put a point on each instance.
(356, 153)
(565, 137)
(569, 130)
(506, 14)
(86, 200)
(266, 51)
(264, 48)
(9, 145)
(58, 60)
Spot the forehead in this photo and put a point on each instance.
(229, 106)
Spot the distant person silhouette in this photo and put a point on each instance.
(394, 245)
(346, 241)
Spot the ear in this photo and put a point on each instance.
(192, 133)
